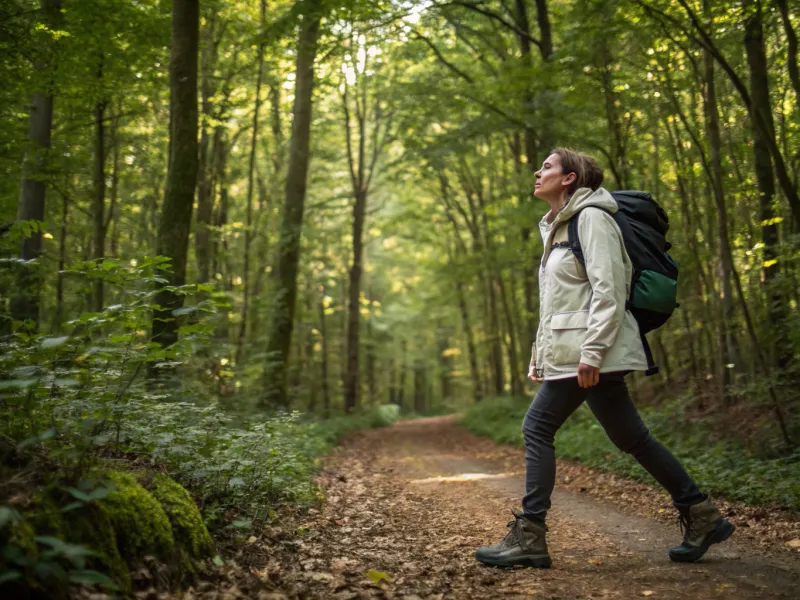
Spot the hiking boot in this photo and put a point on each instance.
(524, 546)
(702, 525)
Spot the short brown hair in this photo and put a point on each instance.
(587, 172)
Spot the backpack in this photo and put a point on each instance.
(644, 225)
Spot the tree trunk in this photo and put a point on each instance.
(288, 251)
(62, 262)
(248, 231)
(370, 348)
(717, 177)
(419, 387)
(176, 212)
(759, 87)
(205, 198)
(401, 379)
(25, 302)
(354, 292)
(791, 50)
(99, 196)
(326, 396)
(471, 351)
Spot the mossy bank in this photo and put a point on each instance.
(133, 522)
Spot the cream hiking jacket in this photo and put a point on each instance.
(582, 315)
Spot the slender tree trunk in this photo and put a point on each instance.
(419, 387)
(354, 293)
(111, 222)
(445, 362)
(25, 302)
(176, 212)
(791, 49)
(401, 379)
(99, 197)
(62, 261)
(370, 348)
(717, 177)
(323, 334)
(248, 232)
(288, 251)
(205, 197)
(759, 87)
(471, 351)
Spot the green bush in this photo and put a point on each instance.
(720, 468)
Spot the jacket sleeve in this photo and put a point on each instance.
(603, 252)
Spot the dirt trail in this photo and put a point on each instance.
(410, 504)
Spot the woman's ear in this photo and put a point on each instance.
(569, 179)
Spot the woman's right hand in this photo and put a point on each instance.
(532, 374)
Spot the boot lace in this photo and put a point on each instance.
(687, 526)
(512, 538)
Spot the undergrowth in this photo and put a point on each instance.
(96, 394)
(720, 468)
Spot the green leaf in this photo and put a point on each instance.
(9, 576)
(218, 561)
(79, 494)
(7, 515)
(72, 506)
(16, 384)
(90, 577)
(54, 342)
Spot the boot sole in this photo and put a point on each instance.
(723, 531)
(537, 562)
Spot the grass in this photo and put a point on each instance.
(720, 468)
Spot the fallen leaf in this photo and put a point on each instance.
(648, 593)
(595, 562)
(252, 539)
(795, 543)
(378, 576)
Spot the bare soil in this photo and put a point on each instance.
(407, 506)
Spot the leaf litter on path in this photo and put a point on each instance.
(379, 535)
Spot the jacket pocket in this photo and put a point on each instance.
(569, 333)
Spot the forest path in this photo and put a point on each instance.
(412, 502)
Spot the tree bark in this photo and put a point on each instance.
(791, 50)
(99, 196)
(176, 212)
(288, 251)
(759, 88)
(248, 231)
(25, 302)
(326, 396)
(726, 345)
(205, 198)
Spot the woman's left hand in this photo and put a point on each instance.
(588, 375)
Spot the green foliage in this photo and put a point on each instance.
(42, 562)
(720, 468)
(331, 431)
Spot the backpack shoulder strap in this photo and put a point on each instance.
(574, 240)
(572, 234)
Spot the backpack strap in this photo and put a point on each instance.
(652, 369)
(574, 241)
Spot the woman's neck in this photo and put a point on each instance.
(556, 206)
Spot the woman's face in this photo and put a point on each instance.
(551, 183)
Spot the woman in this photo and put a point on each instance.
(587, 341)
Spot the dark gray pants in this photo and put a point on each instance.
(611, 404)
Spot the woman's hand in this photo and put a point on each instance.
(532, 374)
(588, 375)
